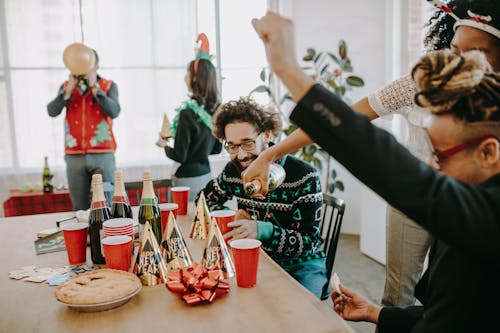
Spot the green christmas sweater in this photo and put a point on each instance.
(290, 230)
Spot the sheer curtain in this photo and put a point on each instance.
(144, 46)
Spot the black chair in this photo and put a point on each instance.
(134, 190)
(331, 222)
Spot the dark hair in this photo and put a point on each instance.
(246, 110)
(440, 25)
(461, 85)
(203, 84)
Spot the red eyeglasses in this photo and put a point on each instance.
(442, 155)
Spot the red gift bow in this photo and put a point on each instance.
(197, 284)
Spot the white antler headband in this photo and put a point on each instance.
(475, 20)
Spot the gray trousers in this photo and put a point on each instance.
(196, 184)
(79, 170)
(407, 246)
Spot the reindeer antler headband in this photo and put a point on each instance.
(474, 20)
(203, 51)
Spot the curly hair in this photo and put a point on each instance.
(462, 85)
(246, 110)
(440, 31)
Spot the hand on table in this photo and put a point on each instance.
(351, 306)
(246, 228)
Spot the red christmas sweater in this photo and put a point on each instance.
(86, 128)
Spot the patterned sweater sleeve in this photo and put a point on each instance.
(299, 236)
(216, 193)
(396, 97)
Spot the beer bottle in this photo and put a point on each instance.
(47, 177)
(276, 177)
(99, 212)
(120, 206)
(149, 210)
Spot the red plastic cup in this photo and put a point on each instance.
(246, 261)
(180, 196)
(117, 252)
(223, 217)
(75, 238)
(165, 209)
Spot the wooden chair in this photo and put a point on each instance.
(134, 190)
(333, 212)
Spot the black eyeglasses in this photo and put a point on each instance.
(248, 145)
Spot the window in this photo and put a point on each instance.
(143, 46)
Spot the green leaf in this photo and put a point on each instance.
(323, 69)
(342, 49)
(316, 162)
(263, 75)
(290, 130)
(339, 185)
(286, 97)
(355, 81)
(260, 89)
(340, 90)
(333, 174)
(310, 150)
(331, 187)
(331, 83)
(334, 58)
(310, 51)
(316, 58)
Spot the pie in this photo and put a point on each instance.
(96, 287)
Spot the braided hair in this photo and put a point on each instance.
(462, 85)
(440, 32)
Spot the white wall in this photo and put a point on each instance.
(372, 30)
(321, 24)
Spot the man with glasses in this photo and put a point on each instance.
(285, 220)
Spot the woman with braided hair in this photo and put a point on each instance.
(457, 204)
(462, 25)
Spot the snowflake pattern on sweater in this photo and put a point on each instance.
(294, 210)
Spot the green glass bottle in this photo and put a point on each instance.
(149, 210)
(276, 177)
(47, 177)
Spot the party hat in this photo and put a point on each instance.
(216, 253)
(199, 228)
(203, 51)
(166, 132)
(174, 250)
(149, 265)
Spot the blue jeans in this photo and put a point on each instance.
(195, 184)
(79, 170)
(313, 278)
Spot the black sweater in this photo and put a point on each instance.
(193, 143)
(460, 289)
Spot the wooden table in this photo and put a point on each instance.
(277, 304)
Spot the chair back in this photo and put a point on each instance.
(134, 190)
(331, 222)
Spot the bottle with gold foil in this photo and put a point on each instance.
(99, 212)
(276, 177)
(149, 210)
(47, 177)
(120, 205)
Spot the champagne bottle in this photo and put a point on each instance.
(47, 177)
(149, 210)
(99, 212)
(120, 206)
(276, 177)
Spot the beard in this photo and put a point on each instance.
(238, 162)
